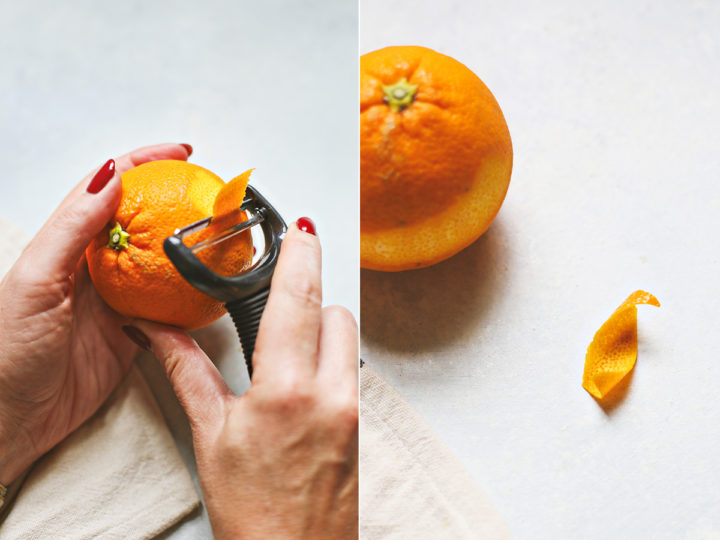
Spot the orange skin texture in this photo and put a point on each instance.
(140, 281)
(433, 175)
(613, 351)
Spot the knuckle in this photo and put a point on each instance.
(177, 354)
(172, 363)
(343, 425)
(261, 350)
(291, 394)
(344, 411)
(69, 218)
(233, 438)
(304, 291)
(342, 315)
(350, 414)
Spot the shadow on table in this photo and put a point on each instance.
(428, 308)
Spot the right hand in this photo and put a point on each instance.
(280, 461)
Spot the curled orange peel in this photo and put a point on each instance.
(231, 195)
(613, 351)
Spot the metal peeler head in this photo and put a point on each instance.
(244, 294)
(258, 211)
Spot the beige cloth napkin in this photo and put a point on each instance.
(411, 485)
(117, 476)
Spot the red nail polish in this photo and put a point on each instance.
(188, 148)
(102, 177)
(137, 336)
(306, 224)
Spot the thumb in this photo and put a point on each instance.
(197, 383)
(61, 242)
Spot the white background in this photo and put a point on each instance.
(270, 85)
(614, 111)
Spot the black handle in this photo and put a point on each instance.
(246, 315)
(244, 294)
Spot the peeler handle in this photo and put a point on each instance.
(246, 315)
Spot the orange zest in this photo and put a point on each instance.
(231, 196)
(613, 351)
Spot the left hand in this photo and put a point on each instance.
(62, 350)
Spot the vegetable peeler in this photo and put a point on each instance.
(245, 294)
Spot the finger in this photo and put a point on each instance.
(57, 248)
(130, 160)
(339, 355)
(197, 383)
(153, 153)
(59, 245)
(287, 340)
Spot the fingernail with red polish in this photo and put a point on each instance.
(136, 335)
(306, 224)
(102, 177)
(187, 147)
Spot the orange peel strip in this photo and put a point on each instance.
(231, 195)
(613, 351)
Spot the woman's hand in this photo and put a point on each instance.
(280, 461)
(61, 348)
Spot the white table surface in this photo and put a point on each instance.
(270, 85)
(614, 110)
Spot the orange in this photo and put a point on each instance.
(127, 262)
(613, 351)
(435, 158)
